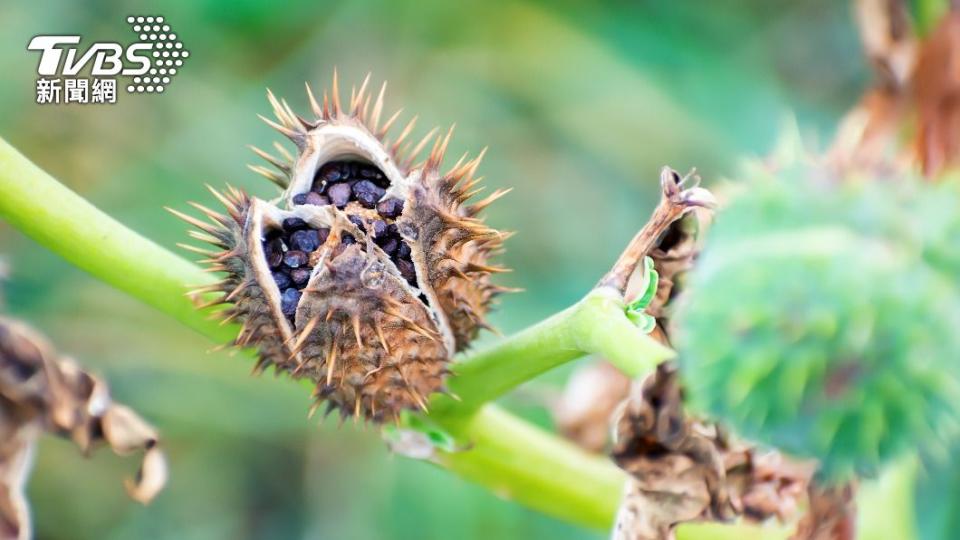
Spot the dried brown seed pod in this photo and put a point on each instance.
(42, 391)
(370, 271)
(685, 470)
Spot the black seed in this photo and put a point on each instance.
(295, 259)
(294, 224)
(300, 276)
(389, 245)
(367, 193)
(407, 270)
(368, 171)
(330, 172)
(322, 234)
(274, 253)
(339, 194)
(307, 240)
(358, 221)
(403, 251)
(379, 227)
(300, 199)
(390, 208)
(288, 302)
(282, 279)
(316, 199)
(348, 239)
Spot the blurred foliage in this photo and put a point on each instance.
(580, 104)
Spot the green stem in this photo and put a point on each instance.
(521, 462)
(505, 454)
(597, 324)
(604, 329)
(54, 216)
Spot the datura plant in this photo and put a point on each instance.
(805, 345)
(370, 271)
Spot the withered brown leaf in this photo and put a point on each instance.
(41, 391)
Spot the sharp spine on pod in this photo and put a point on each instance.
(370, 271)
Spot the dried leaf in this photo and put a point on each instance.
(16, 453)
(685, 470)
(41, 391)
(888, 40)
(917, 92)
(831, 516)
(936, 94)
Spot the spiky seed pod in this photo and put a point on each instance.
(449, 245)
(815, 323)
(374, 272)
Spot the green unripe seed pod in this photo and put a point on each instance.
(824, 320)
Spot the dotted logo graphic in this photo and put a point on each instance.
(167, 56)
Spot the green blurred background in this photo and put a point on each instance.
(580, 103)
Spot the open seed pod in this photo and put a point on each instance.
(370, 272)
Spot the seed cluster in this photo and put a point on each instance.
(291, 255)
(359, 189)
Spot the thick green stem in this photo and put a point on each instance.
(559, 480)
(57, 218)
(505, 453)
(596, 324)
(602, 328)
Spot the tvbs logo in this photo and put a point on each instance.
(150, 63)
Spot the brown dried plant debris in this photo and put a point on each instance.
(936, 96)
(685, 470)
(911, 115)
(582, 412)
(868, 133)
(831, 514)
(680, 195)
(594, 391)
(41, 391)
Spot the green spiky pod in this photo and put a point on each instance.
(370, 271)
(816, 323)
